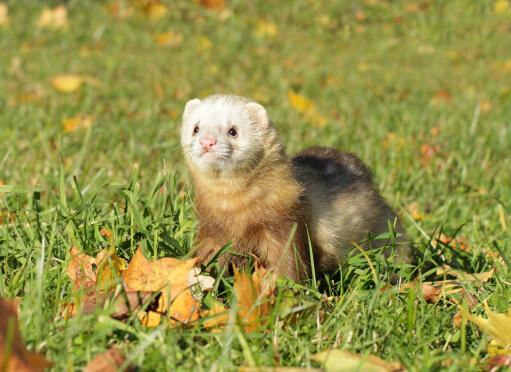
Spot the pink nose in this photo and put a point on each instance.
(207, 142)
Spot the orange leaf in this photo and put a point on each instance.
(12, 346)
(213, 4)
(252, 296)
(169, 275)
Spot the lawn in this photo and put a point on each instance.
(421, 90)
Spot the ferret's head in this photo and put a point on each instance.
(224, 133)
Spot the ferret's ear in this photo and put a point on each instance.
(190, 106)
(259, 113)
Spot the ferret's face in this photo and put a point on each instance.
(221, 135)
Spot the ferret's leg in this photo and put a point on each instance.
(284, 261)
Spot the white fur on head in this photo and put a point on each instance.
(259, 113)
(190, 106)
(214, 117)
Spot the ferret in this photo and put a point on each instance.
(277, 208)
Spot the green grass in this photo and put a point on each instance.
(369, 77)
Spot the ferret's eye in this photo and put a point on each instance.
(195, 130)
(233, 132)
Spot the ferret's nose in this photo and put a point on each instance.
(207, 142)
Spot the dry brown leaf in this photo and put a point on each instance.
(335, 360)
(67, 83)
(109, 361)
(87, 271)
(4, 17)
(53, 18)
(434, 291)
(466, 277)
(19, 358)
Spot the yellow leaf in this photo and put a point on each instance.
(53, 18)
(218, 316)
(299, 102)
(498, 326)
(204, 44)
(265, 29)
(169, 38)
(155, 9)
(4, 17)
(501, 6)
(307, 108)
(77, 122)
(336, 360)
(67, 83)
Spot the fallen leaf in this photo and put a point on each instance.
(498, 326)
(119, 9)
(152, 8)
(87, 271)
(76, 122)
(204, 44)
(213, 4)
(441, 97)
(414, 210)
(67, 83)
(458, 242)
(428, 151)
(12, 348)
(53, 18)
(218, 316)
(434, 291)
(108, 361)
(169, 38)
(7, 217)
(485, 106)
(307, 108)
(335, 360)
(464, 276)
(265, 29)
(360, 16)
(4, 17)
(495, 363)
(501, 7)
(169, 275)
(252, 295)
